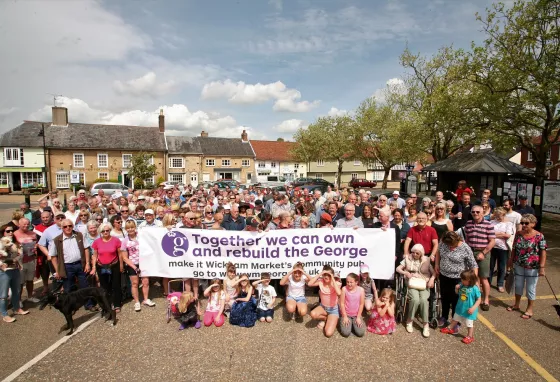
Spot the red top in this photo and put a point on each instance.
(424, 237)
(107, 251)
(460, 192)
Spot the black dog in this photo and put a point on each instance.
(69, 303)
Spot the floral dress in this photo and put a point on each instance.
(527, 250)
(381, 325)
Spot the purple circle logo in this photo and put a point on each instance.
(174, 244)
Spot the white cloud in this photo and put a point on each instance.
(334, 112)
(290, 126)
(287, 99)
(147, 85)
(393, 85)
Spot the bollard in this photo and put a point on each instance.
(65, 202)
(27, 199)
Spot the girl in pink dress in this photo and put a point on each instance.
(382, 319)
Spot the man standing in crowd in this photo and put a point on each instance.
(259, 210)
(353, 200)
(234, 222)
(439, 197)
(480, 236)
(397, 198)
(462, 212)
(27, 213)
(42, 258)
(28, 241)
(150, 220)
(36, 217)
(349, 220)
(423, 234)
(333, 208)
(523, 207)
(385, 223)
(188, 220)
(511, 215)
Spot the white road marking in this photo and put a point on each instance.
(49, 350)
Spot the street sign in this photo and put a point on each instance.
(74, 177)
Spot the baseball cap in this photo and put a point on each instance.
(141, 197)
(522, 197)
(227, 206)
(326, 217)
(364, 268)
(396, 192)
(149, 211)
(168, 187)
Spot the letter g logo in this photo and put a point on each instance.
(174, 244)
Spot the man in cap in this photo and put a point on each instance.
(523, 207)
(325, 220)
(150, 220)
(397, 197)
(251, 224)
(259, 209)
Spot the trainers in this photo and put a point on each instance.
(182, 327)
(137, 307)
(8, 319)
(293, 316)
(467, 340)
(448, 330)
(197, 325)
(20, 304)
(409, 327)
(34, 300)
(149, 303)
(426, 331)
(442, 322)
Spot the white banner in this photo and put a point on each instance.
(203, 254)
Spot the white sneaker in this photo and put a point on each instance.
(149, 302)
(409, 327)
(34, 300)
(20, 304)
(137, 307)
(426, 331)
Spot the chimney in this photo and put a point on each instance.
(204, 134)
(244, 136)
(161, 121)
(59, 116)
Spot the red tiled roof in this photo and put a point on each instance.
(272, 150)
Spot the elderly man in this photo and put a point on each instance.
(353, 200)
(28, 241)
(397, 198)
(318, 199)
(188, 221)
(462, 212)
(349, 220)
(480, 236)
(36, 216)
(27, 213)
(50, 233)
(233, 222)
(385, 223)
(524, 208)
(70, 258)
(439, 197)
(42, 259)
(150, 220)
(423, 234)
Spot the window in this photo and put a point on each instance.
(354, 175)
(529, 156)
(296, 166)
(245, 162)
(103, 175)
(176, 162)
(194, 178)
(29, 179)
(320, 163)
(357, 162)
(226, 162)
(262, 165)
(273, 164)
(176, 178)
(3, 179)
(210, 162)
(62, 180)
(79, 160)
(150, 181)
(318, 176)
(13, 157)
(126, 160)
(102, 160)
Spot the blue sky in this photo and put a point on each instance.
(218, 65)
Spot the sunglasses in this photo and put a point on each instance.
(106, 230)
(124, 210)
(522, 223)
(68, 226)
(99, 219)
(58, 217)
(9, 231)
(209, 212)
(118, 221)
(476, 212)
(82, 215)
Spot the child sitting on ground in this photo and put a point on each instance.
(351, 308)
(327, 312)
(216, 303)
(467, 305)
(189, 311)
(243, 309)
(267, 297)
(366, 283)
(230, 283)
(382, 319)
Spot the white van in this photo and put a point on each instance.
(272, 180)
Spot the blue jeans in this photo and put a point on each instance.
(526, 278)
(73, 271)
(499, 256)
(9, 279)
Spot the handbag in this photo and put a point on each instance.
(417, 283)
(510, 282)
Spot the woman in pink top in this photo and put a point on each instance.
(327, 312)
(108, 263)
(352, 302)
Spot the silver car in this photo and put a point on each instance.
(109, 188)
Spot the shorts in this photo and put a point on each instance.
(28, 271)
(265, 313)
(130, 271)
(484, 267)
(466, 321)
(297, 299)
(331, 310)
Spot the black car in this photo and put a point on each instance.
(311, 181)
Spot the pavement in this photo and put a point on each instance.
(144, 346)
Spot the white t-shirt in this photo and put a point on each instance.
(296, 289)
(214, 301)
(266, 294)
(514, 217)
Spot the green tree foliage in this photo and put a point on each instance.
(383, 136)
(140, 167)
(280, 140)
(516, 73)
(329, 139)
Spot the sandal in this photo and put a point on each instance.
(512, 308)
(485, 307)
(467, 340)
(321, 325)
(526, 316)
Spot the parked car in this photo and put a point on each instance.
(273, 181)
(360, 182)
(311, 181)
(109, 188)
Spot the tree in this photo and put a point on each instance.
(433, 98)
(329, 138)
(140, 167)
(516, 73)
(280, 140)
(383, 135)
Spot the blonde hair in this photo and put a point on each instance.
(130, 224)
(168, 220)
(185, 300)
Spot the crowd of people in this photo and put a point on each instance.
(93, 240)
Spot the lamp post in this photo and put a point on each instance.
(42, 134)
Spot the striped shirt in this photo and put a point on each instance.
(478, 235)
(70, 248)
